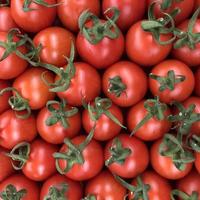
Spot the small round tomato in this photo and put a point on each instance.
(177, 81)
(143, 49)
(36, 18)
(197, 161)
(56, 44)
(105, 187)
(31, 87)
(70, 10)
(20, 182)
(73, 189)
(6, 168)
(164, 165)
(197, 82)
(120, 83)
(14, 130)
(131, 151)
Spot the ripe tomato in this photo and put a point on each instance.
(164, 165)
(197, 82)
(120, 83)
(185, 54)
(6, 19)
(21, 182)
(69, 11)
(73, 190)
(56, 43)
(153, 128)
(131, 11)
(33, 20)
(142, 48)
(197, 161)
(14, 130)
(105, 187)
(30, 85)
(131, 164)
(6, 168)
(85, 85)
(12, 66)
(182, 90)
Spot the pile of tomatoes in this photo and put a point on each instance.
(99, 99)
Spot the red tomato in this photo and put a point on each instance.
(40, 164)
(12, 66)
(6, 19)
(153, 129)
(142, 48)
(105, 187)
(6, 168)
(197, 82)
(30, 85)
(197, 162)
(58, 130)
(185, 54)
(33, 20)
(69, 11)
(56, 43)
(85, 85)
(133, 164)
(120, 83)
(131, 11)
(164, 165)
(91, 166)
(14, 130)
(159, 187)
(21, 182)
(190, 183)
(73, 191)
(186, 7)
(182, 90)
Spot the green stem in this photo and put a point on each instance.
(183, 195)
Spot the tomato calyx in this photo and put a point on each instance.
(139, 191)
(194, 143)
(90, 197)
(57, 192)
(169, 81)
(155, 109)
(116, 86)
(73, 155)
(11, 192)
(188, 38)
(99, 29)
(118, 153)
(59, 114)
(168, 3)
(7, 3)
(183, 195)
(101, 107)
(18, 103)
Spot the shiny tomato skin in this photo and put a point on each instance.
(185, 54)
(130, 74)
(35, 20)
(12, 66)
(91, 167)
(197, 161)
(70, 10)
(153, 129)
(197, 82)
(21, 182)
(131, 11)
(190, 183)
(56, 43)
(31, 86)
(41, 163)
(182, 90)
(143, 49)
(105, 187)
(164, 166)
(159, 187)
(85, 85)
(59, 132)
(6, 168)
(133, 164)
(74, 189)
(105, 128)
(14, 130)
